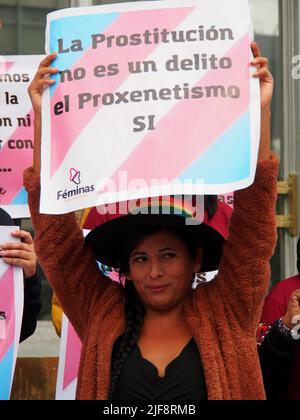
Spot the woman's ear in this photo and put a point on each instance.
(198, 260)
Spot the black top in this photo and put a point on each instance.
(183, 380)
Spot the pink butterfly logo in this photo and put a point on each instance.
(75, 176)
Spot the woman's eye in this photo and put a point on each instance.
(169, 255)
(139, 259)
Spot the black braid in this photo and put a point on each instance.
(134, 313)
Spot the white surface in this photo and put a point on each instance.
(265, 16)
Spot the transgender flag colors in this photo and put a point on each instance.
(11, 305)
(16, 122)
(152, 98)
(69, 358)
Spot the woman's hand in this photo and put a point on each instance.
(20, 254)
(265, 77)
(292, 316)
(266, 92)
(40, 81)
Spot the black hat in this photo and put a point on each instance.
(109, 239)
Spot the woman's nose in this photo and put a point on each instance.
(155, 270)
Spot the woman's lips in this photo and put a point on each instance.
(158, 288)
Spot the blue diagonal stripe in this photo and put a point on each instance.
(5, 373)
(76, 28)
(21, 198)
(227, 159)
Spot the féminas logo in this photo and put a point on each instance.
(75, 177)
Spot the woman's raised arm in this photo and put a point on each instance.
(66, 259)
(35, 90)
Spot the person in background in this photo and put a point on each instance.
(279, 339)
(22, 254)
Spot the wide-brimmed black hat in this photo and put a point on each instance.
(109, 239)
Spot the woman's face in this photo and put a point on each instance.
(161, 269)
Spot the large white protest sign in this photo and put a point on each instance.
(152, 98)
(16, 130)
(11, 309)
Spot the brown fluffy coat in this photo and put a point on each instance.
(223, 315)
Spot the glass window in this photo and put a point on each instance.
(98, 2)
(266, 27)
(22, 25)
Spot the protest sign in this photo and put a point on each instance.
(152, 98)
(227, 199)
(16, 130)
(69, 358)
(11, 309)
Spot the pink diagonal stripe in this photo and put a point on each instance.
(72, 123)
(199, 120)
(16, 160)
(5, 66)
(73, 351)
(7, 305)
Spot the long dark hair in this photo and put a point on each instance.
(134, 308)
(134, 315)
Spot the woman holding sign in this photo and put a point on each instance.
(156, 338)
